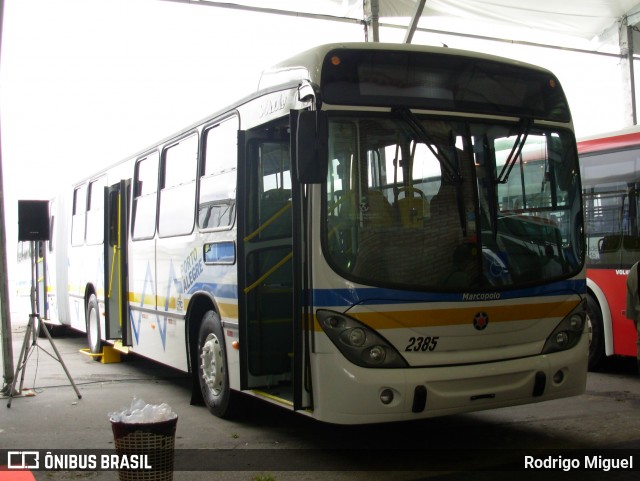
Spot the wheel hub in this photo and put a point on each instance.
(211, 363)
(93, 328)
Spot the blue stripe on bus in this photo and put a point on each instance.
(350, 297)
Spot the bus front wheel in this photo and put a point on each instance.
(213, 373)
(596, 334)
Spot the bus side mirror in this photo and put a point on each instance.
(311, 146)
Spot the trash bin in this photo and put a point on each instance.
(146, 450)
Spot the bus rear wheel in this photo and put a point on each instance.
(93, 326)
(213, 373)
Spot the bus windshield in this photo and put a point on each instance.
(451, 204)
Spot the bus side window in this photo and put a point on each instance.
(216, 205)
(95, 211)
(178, 188)
(144, 197)
(78, 215)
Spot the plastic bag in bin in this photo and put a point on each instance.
(139, 412)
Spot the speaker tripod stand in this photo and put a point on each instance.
(30, 343)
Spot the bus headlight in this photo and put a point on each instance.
(355, 336)
(567, 333)
(377, 354)
(359, 343)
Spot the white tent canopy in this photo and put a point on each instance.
(586, 19)
(591, 22)
(599, 27)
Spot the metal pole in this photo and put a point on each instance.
(632, 79)
(375, 19)
(371, 11)
(5, 311)
(411, 29)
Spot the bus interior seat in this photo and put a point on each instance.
(444, 228)
(631, 242)
(378, 215)
(610, 243)
(413, 208)
(377, 211)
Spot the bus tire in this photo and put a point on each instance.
(596, 334)
(213, 372)
(93, 326)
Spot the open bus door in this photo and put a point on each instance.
(271, 305)
(115, 258)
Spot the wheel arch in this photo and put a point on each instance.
(199, 304)
(597, 294)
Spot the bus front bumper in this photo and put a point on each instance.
(348, 394)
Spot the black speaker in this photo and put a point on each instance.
(33, 220)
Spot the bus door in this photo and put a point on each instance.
(115, 255)
(269, 284)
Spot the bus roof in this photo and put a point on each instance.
(306, 65)
(618, 140)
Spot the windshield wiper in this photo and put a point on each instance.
(521, 139)
(449, 168)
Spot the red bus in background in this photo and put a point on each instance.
(610, 167)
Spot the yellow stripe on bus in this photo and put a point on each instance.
(227, 310)
(464, 315)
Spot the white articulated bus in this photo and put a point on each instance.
(355, 241)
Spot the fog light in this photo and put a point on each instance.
(558, 377)
(386, 396)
